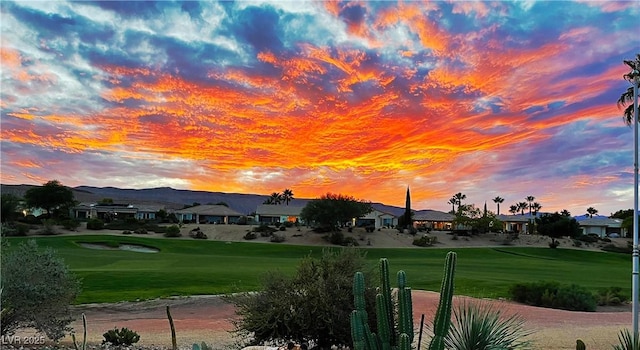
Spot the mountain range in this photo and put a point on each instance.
(176, 199)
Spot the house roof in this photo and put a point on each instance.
(514, 218)
(213, 210)
(600, 222)
(278, 210)
(432, 215)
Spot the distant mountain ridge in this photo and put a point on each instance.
(176, 199)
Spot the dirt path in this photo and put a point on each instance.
(208, 319)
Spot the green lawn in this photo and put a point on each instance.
(185, 267)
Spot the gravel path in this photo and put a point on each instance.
(208, 319)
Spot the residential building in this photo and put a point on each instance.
(208, 214)
(271, 213)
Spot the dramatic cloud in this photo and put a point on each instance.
(490, 99)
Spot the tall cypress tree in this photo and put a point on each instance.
(407, 221)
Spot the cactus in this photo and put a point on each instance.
(442, 319)
(580, 345)
(398, 337)
(84, 335)
(389, 336)
(174, 343)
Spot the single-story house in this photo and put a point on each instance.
(377, 218)
(208, 214)
(270, 213)
(601, 226)
(104, 211)
(433, 219)
(515, 223)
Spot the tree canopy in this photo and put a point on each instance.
(9, 206)
(332, 210)
(557, 225)
(49, 196)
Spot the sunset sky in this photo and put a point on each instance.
(364, 98)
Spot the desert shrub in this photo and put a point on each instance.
(350, 242)
(554, 244)
(615, 249)
(95, 224)
(277, 224)
(70, 224)
(370, 228)
(15, 229)
(250, 235)
(48, 227)
(37, 291)
(277, 238)
(172, 231)
(126, 232)
(606, 239)
(588, 238)
(283, 228)
(425, 241)
(123, 336)
(312, 304)
(198, 235)
(31, 220)
(143, 231)
(265, 230)
(131, 220)
(553, 295)
(288, 224)
(611, 296)
(336, 238)
(577, 243)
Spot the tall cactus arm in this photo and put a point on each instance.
(443, 314)
(385, 290)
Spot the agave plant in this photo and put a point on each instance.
(627, 341)
(482, 327)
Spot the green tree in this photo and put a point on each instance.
(50, 196)
(498, 200)
(37, 290)
(332, 210)
(287, 196)
(626, 99)
(556, 226)
(406, 220)
(312, 305)
(9, 206)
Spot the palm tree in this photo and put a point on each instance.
(530, 200)
(452, 201)
(275, 198)
(287, 196)
(458, 198)
(565, 212)
(592, 211)
(535, 207)
(522, 206)
(627, 96)
(513, 209)
(498, 200)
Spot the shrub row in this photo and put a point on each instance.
(566, 297)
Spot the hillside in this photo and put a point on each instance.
(176, 199)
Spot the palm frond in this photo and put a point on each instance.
(627, 342)
(482, 327)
